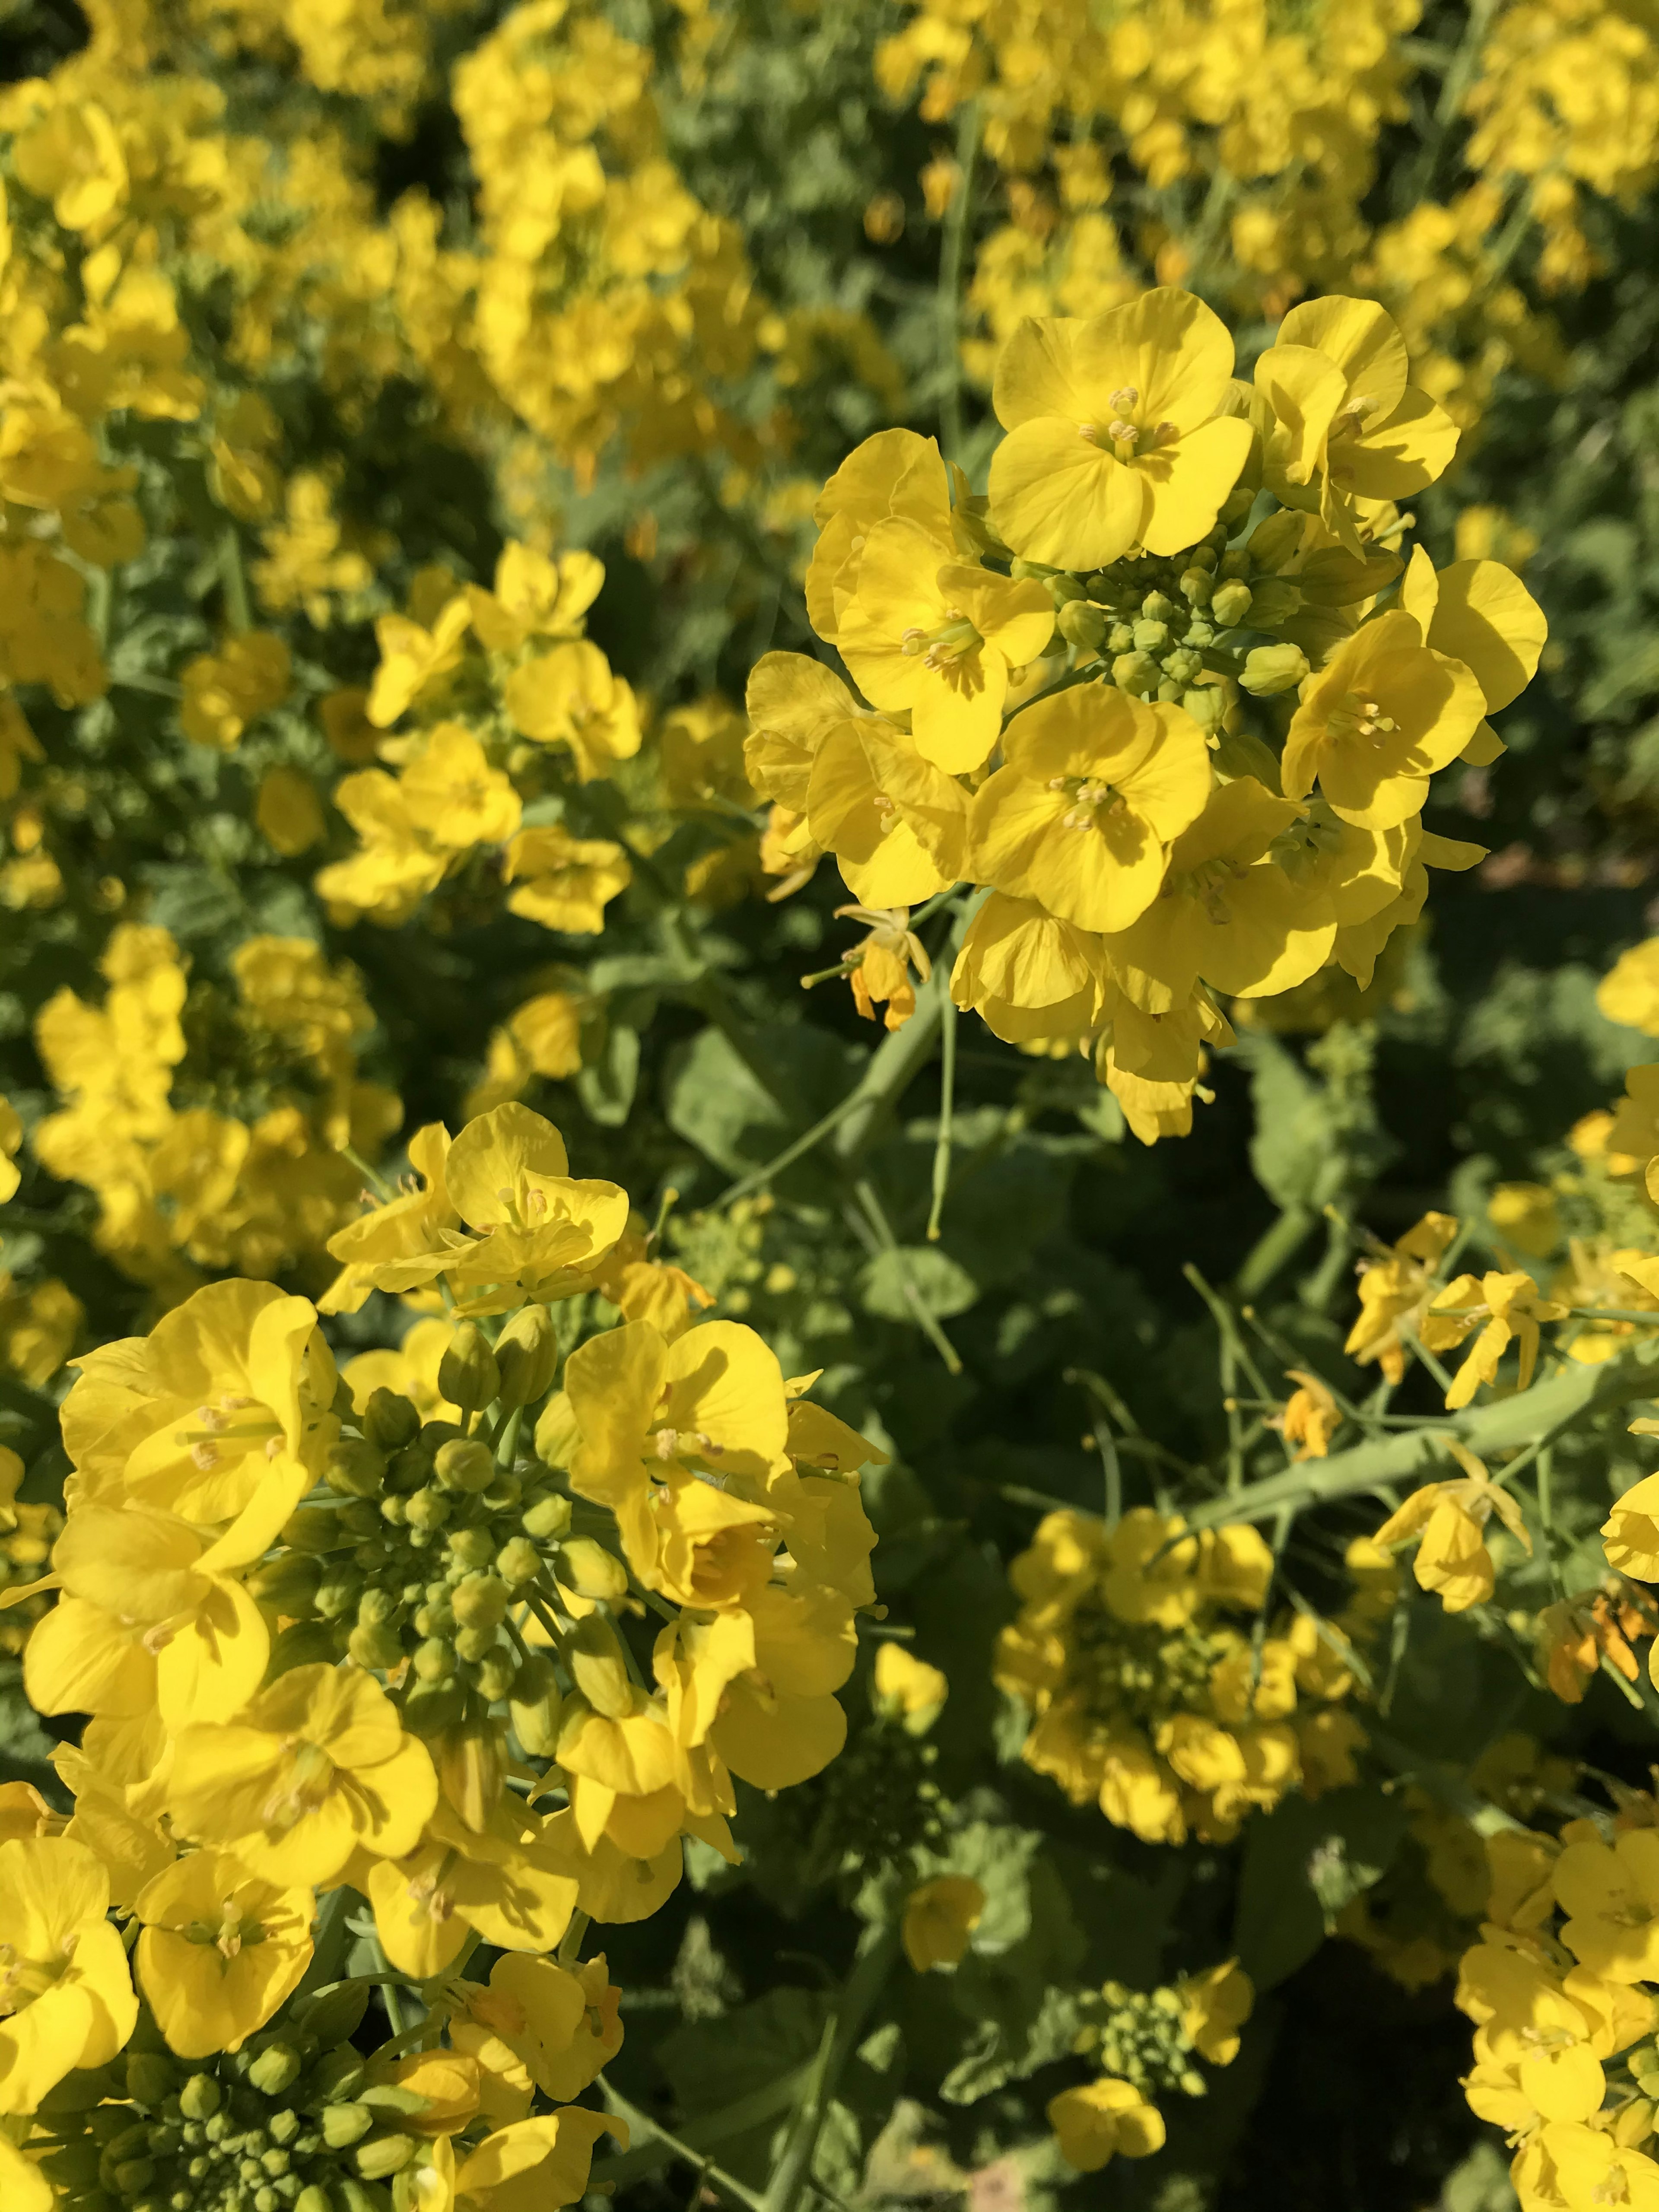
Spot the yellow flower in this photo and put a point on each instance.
(896, 474)
(881, 964)
(534, 2166)
(226, 1404)
(224, 691)
(535, 596)
(1382, 714)
(1095, 787)
(23, 2185)
(220, 1952)
(412, 657)
(1226, 911)
(1396, 1288)
(318, 1766)
(1480, 613)
(11, 1137)
(938, 641)
(567, 882)
(1629, 992)
(66, 1997)
(453, 797)
(908, 1686)
(1346, 431)
(897, 824)
(289, 813)
(1610, 1893)
(570, 696)
(939, 1917)
(1094, 2123)
(1115, 437)
(1215, 2006)
(560, 2027)
(1511, 1310)
(505, 1882)
(793, 703)
(1593, 2170)
(1452, 1557)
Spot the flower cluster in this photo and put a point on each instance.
(1168, 694)
(1146, 2043)
(1149, 1694)
(477, 1655)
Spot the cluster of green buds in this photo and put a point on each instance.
(441, 1537)
(290, 2122)
(1158, 626)
(1139, 1672)
(1142, 2036)
(875, 1808)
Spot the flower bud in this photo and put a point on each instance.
(433, 1661)
(1233, 564)
(1234, 508)
(1156, 607)
(464, 1465)
(1063, 588)
(592, 1571)
(1205, 703)
(345, 2124)
(354, 1467)
(535, 1707)
(151, 2077)
(1018, 570)
(375, 1647)
(1135, 672)
(338, 1596)
(1230, 602)
(471, 1764)
(303, 1643)
(1273, 668)
(379, 2160)
(1082, 625)
(549, 1516)
(556, 1433)
(333, 2017)
(594, 1657)
(389, 1420)
(411, 1468)
(497, 1670)
(1275, 602)
(1277, 540)
(480, 1601)
(1149, 635)
(275, 2069)
(313, 1528)
(1182, 666)
(200, 2096)
(433, 1707)
(474, 1643)
(1238, 752)
(527, 1356)
(314, 2197)
(427, 1508)
(288, 1583)
(467, 1374)
(469, 1548)
(518, 1562)
(1195, 586)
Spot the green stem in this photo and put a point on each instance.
(570, 1947)
(792, 2172)
(642, 2123)
(952, 251)
(864, 1191)
(946, 1109)
(235, 581)
(1275, 1250)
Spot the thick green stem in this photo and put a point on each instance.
(792, 2172)
(953, 250)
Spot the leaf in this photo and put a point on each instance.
(713, 2065)
(718, 1102)
(940, 1284)
(1302, 1865)
(606, 1085)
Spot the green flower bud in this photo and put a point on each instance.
(547, 1516)
(375, 1608)
(497, 1671)
(134, 2174)
(394, 1511)
(1273, 668)
(375, 1647)
(275, 2069)
(472, 1547)
(283, 2127)
(1233, 564)
(1149, 636)
(1205, 703)
(1135, 672)
(592, 1571)
(527, 1356)
(338, 1596)
(200, 2096)
(1239, 753)
(304, 1644)
(1119, 638)
(427, 1509)
(1234, 508)
(345, 2124)
(503, 1493)
(1195, 586)
(534, 1707)
(433, 1661)
(1275, 602)
(1020, 569)
(1277, 539)
(1199, 633)
(1157, 608)
(288, 1583)
(1201, 556)
(556, 1433)
(464, 1465)
(474, 1643)
(151, 2077)
(354, 1467)
(435, 1619)
(1182, 666)
(313, 1528)
(314, 2197)
(598, 1670)
(1169, 691)
(389, 1420)
(412, 1467)
(467, 1374)
(1231, 603)
(518, 1561)
(1082, 624)
(1062, 589)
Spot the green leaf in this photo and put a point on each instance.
(1302, 1865)
(606, 1085)
(940, 1284)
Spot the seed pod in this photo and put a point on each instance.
(527, 1356)
(464, 1465)
(467, 1374)
(480, 1601)
(594, 1657)
(354, 1467)
(546, 1517)
(389, 1420)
